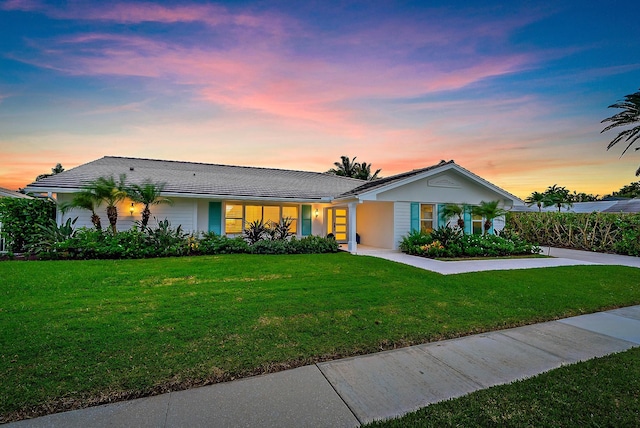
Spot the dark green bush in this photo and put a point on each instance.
(212, 243)
(270, 247)
(312, 245)
(455, 244)
(20, 219)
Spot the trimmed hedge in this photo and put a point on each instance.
(20, 219)
(602, 232)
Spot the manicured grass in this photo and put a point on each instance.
(604, 392)
(78, 332)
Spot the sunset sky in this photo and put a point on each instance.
(513, 90)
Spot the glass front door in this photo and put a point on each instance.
(337, 223)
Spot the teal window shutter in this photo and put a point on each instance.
(491, 228)
(215, 217)
(441, 222)
(415, 216)
(306, 220)
(468, 226)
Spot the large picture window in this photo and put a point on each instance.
(238, 217)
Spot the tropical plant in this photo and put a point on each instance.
(255, 231)
(536, 198)
(148, 193)
(629, 116)
(453, 210)
(87, 200)
(363, 172)
(353, 169)
(631, 190)
(107, 190)
(557, 196)
(583, 197)
(50, 234)
(279, 231)
(488, 211)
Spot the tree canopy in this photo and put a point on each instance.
(350, 168)
(629, 116)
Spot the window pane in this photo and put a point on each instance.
(341, 228)
(426, 212)
(341, 212)
(294, 226)
(291, 212)
(233, 211)
(251, 214)
(233, 225)
(271, 215)
(329, 221)
(426, 226)
(477, 228)
(341, 236)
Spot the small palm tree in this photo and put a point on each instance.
(86, 200)
(453, 210)
(557, 196)
(488, 211)
(628, 117)
(107, 190)
(147, 193)
(536, 198)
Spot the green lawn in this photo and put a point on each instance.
(79, 332)
(604, 392)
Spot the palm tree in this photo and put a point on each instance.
(86, 200)
(147, 193)
(108, 191)
(453, 210)
(628, 117)
(488, 211)
(345, 168)
(363, 171)
(536, 198)
(558, 196)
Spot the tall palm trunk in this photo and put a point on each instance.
(95, 219)
(112, 214)
(146, 214)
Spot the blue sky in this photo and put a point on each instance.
(514, 91)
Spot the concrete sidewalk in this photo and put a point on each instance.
(351, 391)
(560, 257)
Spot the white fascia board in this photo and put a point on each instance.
(196, 196)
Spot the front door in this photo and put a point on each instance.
(337, 223)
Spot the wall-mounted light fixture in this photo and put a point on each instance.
(317, 213)
(131, 208)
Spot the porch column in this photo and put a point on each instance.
(352, 245)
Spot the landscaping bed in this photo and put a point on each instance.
(78, 333)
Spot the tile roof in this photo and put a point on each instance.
(191, 178)
(6, 193)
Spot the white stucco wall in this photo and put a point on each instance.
(375, 224)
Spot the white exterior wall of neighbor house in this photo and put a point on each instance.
(374, 220)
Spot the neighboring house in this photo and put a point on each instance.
(6, 193)
(225, 199)
(608, 206)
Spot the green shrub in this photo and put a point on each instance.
(312, 245)
(212, 243)
(270, 247)
(20, 219)
(446, 242)
(603, 232)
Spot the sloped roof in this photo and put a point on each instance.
(191, 178)
(628, 206)
(399, 179)
(382, 182)
(6, 193)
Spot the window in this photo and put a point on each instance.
(476, 223)
(238, 217)
(233, 219)
(426, 218)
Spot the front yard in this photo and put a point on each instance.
(74, 333)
